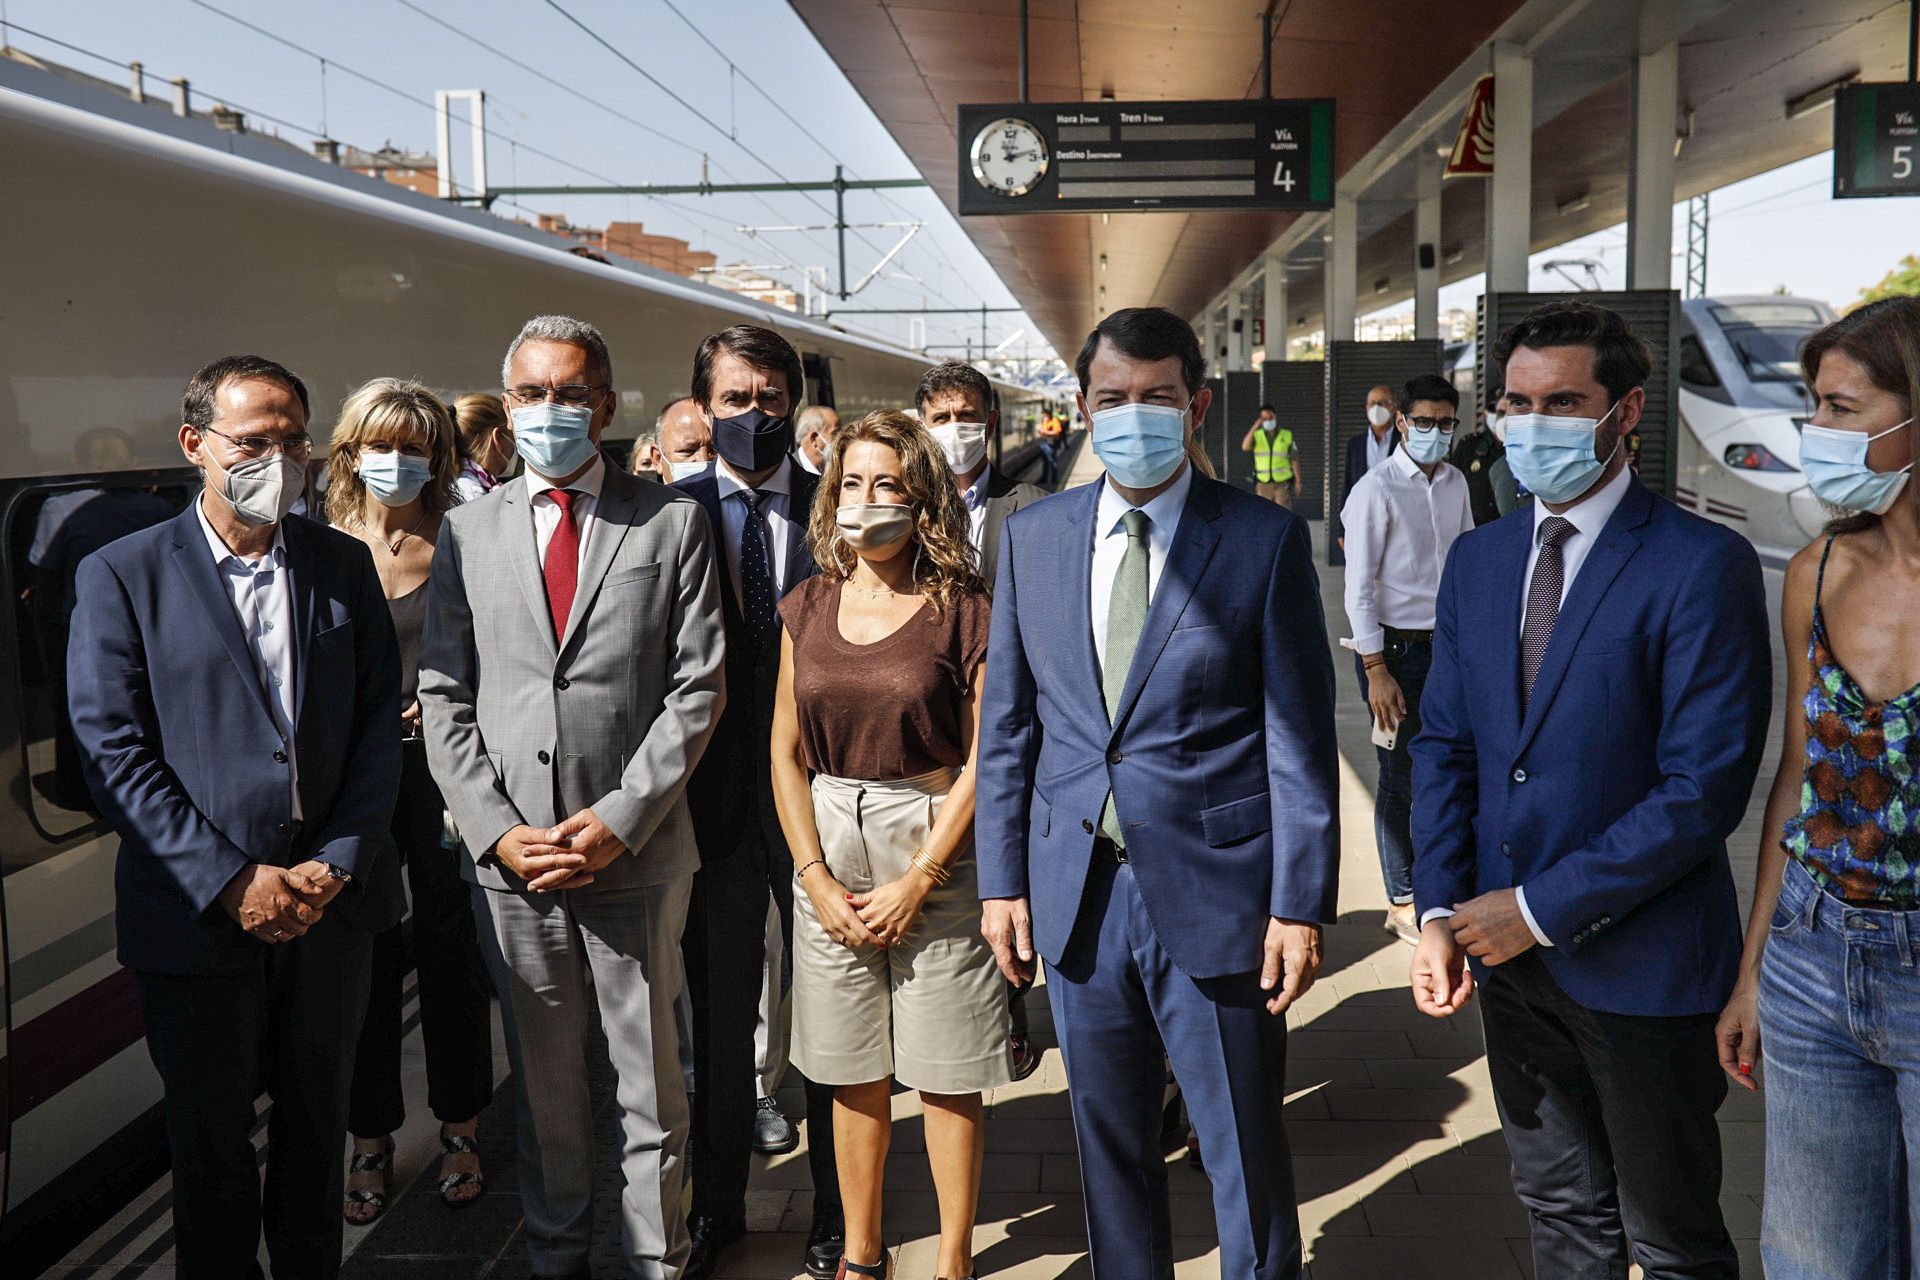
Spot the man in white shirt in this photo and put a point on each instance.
(816, 426)
(1401, 520)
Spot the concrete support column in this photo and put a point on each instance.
(1343, 267)
(1510, 189)
(1208, 347)
(1275, 302)
(1236, 330)
(1426, 238)
(1653, 98)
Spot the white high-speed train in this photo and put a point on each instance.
(1742, 404)
(138, 246)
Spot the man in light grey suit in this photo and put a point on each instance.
(570, 675)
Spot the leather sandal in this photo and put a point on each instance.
(460, 1144)
(875, 1271)
(380, 1162)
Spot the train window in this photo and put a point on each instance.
(819, 372)
(49, 530)
(1695, 369)
(1767, 336)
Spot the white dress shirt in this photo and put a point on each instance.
(775, 503)
(1588, 519)
(1110, 544)
(975, 496)
(261, 591)
(546, 512)
(1400, 526)
(1378, 446)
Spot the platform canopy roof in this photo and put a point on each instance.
(1401, 72)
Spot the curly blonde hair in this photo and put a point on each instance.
(944, 561)
(393, 410)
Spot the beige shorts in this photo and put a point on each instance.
(929, 1011)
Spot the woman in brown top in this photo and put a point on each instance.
(879, 700)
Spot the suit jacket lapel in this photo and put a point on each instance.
(612, 517)
(1615, 546)
(194, 559)
(1193, 545)
(522, 553)
(303, 570)
(1082, 664)
(800, 563)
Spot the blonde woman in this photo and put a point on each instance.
(485, 444)
(879, 698)
(390, 480)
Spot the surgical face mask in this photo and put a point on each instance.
(394, 478)
(1836, 467)
(1427, 446)
(686, 470)
(1140, 445)
(555, 439)
(1497, 423)
(753, 441)
(1379, 415)
(873, 526)
(964, 444)
(1554, 456)
(264, 490)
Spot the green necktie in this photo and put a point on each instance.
(1126, 616)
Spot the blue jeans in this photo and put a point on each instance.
(1840, 1031)
(1393, 800)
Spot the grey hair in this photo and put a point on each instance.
(812, 414)
(660, 418)
(560, 329)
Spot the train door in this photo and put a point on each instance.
(819, 374)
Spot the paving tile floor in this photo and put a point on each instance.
(1401, 1167)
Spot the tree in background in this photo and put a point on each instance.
(1901, 282)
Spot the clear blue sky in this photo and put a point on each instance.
(1775, 229)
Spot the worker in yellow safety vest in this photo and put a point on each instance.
(1276, 462)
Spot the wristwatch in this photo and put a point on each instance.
(335, 873)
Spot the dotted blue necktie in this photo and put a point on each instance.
(756, 573)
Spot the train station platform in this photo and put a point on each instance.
(1401, 1166)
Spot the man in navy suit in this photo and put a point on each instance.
(1157, 811)
(235, 687)
(747, 380)
(1593, 720)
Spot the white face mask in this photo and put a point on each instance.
(1379, 415)
(964, 444)
(686, 470)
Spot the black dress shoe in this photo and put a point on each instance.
(826, 1241)
(710, 1236)
(773, 1133)
(1026, 1058)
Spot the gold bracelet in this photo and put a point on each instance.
(929, 867)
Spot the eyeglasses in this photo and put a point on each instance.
(1433, 424)
(298, 445)
(565, 393)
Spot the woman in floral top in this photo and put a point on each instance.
(1830, 978)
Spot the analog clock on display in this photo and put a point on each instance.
(1009, 157)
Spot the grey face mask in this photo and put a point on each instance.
(263, 491)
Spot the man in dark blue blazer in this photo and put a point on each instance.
(235, 691)
(1157, 811)
(747, 380)
(1593, 721)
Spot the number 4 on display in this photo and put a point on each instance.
(1281, 178)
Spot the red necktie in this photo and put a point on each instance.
(562, 566)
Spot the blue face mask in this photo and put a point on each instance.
(555, 439)
(1428, 445)
(1837, 470)
(1553, 456)
(1140, 444)
(395, 478)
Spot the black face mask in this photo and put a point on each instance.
(752, 441)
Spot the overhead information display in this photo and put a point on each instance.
(1115, 157)
(1876, 140)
